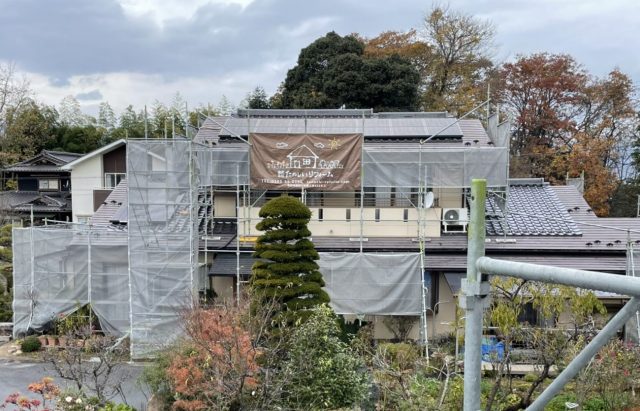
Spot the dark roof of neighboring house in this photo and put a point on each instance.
(45, 161)
(21, 201)
(113, 209)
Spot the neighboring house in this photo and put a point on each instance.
(39, 184)
(184, 220)
(94, 176)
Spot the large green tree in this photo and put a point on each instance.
(287, 272)
(28, 128)
(334, 72)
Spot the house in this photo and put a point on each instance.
(39, 185)
(94, 176)
(302, 157)
(183, 221)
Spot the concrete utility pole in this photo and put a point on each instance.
(474, 298)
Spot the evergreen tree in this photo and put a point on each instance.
(287, 271)
(258, 99)
(333, 72)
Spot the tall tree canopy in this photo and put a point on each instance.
(568, 122)
(460, 63)
(334, 72)
(452, 54)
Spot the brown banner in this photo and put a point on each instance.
(316, 162)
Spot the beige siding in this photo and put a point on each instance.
(335, 223)
(224, 205)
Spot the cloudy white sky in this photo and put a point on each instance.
(137, 51)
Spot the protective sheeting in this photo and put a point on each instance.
(163, 178)
(57, 270)
(376, 284)
(393, 166)
(226, 166)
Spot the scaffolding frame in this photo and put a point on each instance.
(172, 188)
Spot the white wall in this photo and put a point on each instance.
(334, 222)
(85, 177)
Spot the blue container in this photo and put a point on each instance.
(492, 349)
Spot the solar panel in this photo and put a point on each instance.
(373, 127)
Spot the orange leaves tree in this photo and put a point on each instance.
(214, 368)
(568, 122)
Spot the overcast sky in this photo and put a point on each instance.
(137, 51)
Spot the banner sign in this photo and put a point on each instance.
(320, 162)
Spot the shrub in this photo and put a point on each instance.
(322, 372)
(116, 407)
(30, 344)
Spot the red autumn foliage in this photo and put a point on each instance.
(216, 365)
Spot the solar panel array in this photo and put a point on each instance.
(374, 127)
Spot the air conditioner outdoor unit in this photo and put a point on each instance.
(455, 217)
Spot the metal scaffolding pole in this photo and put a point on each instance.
(578, 278)
(582, 359)
(474, 298)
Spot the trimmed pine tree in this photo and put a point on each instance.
(287, 271)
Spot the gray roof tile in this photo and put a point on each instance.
(115, 201)
(525, 205)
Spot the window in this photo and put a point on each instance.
(348, 214)
(431, 283)
(320, 214)
(48, 184)
(405, 215)
(528, 315)
(111, 180)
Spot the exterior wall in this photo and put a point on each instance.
(439, 324)
(335, 223)
(116, 161)
(85, 177)
(449, 197)
(223, 287)
(444, 321)
(224, 205)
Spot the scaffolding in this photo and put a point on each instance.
(137, 279)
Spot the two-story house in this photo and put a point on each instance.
(392, 238)
(38, 186)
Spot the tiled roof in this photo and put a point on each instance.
(526, 204)
(22, 200)
(209, 131)
(115, 201)
(53, 159)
